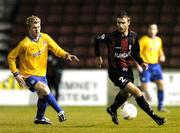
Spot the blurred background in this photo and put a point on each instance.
(74, 24)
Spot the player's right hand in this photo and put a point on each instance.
(20, 80)
(144, 66)
(99, 61)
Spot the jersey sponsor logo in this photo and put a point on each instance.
(38, 53)
(123, 55)
(44, 43)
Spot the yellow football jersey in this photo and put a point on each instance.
(33, 55)
(150, 49)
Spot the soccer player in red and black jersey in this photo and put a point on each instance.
(123, 47)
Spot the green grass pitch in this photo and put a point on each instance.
(84, 120)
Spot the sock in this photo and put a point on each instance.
(119, 100)
(160, 99)
(41, 107)
(53, 103)
(145, 106)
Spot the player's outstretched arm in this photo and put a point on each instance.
(71, 57)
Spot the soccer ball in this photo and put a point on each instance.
(129, 111)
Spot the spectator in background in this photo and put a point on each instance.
(123, 45)
(152, 53)
(32, 52)
(54, 73)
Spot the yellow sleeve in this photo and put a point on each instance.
(12, 58)
(161, 52)
(141, 43)
(55, 48)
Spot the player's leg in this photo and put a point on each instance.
(41, 107)
(160, 95)
(39, 84)
(120, 98)
(144, 87)
(136, 92)
(53, 84)
(44, 90)
(57, 81)
(145, 79)
(42, 102)
(158, 79)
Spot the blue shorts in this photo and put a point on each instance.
(154, 72)
(32, 80)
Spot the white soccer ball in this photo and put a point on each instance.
(129, 111)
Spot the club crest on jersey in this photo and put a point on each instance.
(44, 43)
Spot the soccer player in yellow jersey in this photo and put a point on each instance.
(152, 53)
(32, 52)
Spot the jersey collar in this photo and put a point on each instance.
(33, 39)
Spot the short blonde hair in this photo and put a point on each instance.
(32, 20)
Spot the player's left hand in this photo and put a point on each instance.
(162, 58)
(71, 57)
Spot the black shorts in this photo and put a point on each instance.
(121, 79)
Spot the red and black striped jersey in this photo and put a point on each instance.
(121, 50)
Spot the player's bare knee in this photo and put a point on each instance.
(45, 90)
(42, 88)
